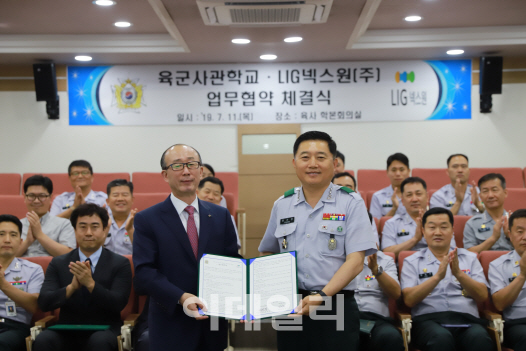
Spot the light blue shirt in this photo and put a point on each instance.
(94, 258)
(118, 240)
(381, 203)
(26, 276)
(401, 228)
(501, 273)
(303, 229)
(445, 197)
(56, 228)
(479, 228)
(66, 200)
(369, 296)
(447, 295)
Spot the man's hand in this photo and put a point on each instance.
(30, 238)
(82, 271)
(499, 224)
(522, 265)
(506, 224)
(442, 269)
(34, 225)
(79, 198)
(3, 281)
(129, 222)
(372, 263)
(453, 263)
(460, 190)
(307, 305)
(394, 199)
(418, 231)
(475, 197)
(190, 305)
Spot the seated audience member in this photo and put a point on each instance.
(340, 165)
(507, 278)
(442, 286)
(42, 233)
(81, 177)
(489, 230)
(386, 202)
(376, 283)
(20, 283)
(211, 189)
(459, 197)
(345, 179)
(120, 202)
(90, 285)
(208, 171)
(404, 232)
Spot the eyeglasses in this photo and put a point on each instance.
(41, 197)
(180, 166)
(76, 174)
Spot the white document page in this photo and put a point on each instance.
(273, 285)
(222, 286)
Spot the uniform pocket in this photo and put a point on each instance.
(335, 245)
(284, 236)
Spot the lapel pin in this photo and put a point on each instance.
(209, 215)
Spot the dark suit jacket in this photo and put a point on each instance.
(165, 268)
(113, 280)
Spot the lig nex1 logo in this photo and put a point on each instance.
(399, 97)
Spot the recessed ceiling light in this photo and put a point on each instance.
(83, 58)
(122, 24)
(292, 39)
(104, 2)
(413, 18)
(455, 52)
(240, 41)
(268, 57)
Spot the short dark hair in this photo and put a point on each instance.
(315, 135)
(412, 180)
(210, 169)
(89, 210)
(455, 155)
(400, 157)
(119, 182)
(80, 163)
(492, 176)
(437, 211)
(12, 219)
(345, 174)
(516, 214)
(340, 155)
(213, 180)
(163, 163)
(39, 180)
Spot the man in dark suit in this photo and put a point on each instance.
(90, 285)
(169, 240)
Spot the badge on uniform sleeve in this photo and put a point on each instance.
(284, 243)
(332, 243)
(10, 308)
(286, 220)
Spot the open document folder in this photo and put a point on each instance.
(248, 289)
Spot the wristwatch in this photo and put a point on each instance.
(380, 271)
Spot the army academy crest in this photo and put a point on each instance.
(128, 96)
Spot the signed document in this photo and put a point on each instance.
(248, 289)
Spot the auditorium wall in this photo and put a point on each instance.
(30, 142)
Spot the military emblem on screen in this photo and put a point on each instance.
(128, 96)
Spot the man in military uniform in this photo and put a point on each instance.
(507, 278)
(340, 163)
(386, 202)
(459, 197)
(120, 202)
(20, 283)
(81, 177)
(489, 230)
(442, 287)
(376, 283)
(329, 228)
(404, 232)
(345, 179)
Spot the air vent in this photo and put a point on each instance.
(286, 15)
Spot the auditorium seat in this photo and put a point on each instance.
(149, 182)
(430, 193)
(101, 180)
(435, 178)
(143, 201)
(10, 183)
(458, 229)
(231, 203)
(372, 179)
(351, 172)
(513, 175)
(369, 197)
(43, 261)
(516, 199)
(230, 181)
(13, 204)
(382, 223)
(60, 181)
(485, 257)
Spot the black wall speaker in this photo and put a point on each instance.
(490, 75)
(45, 81)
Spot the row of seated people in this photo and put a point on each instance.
(441, 285)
